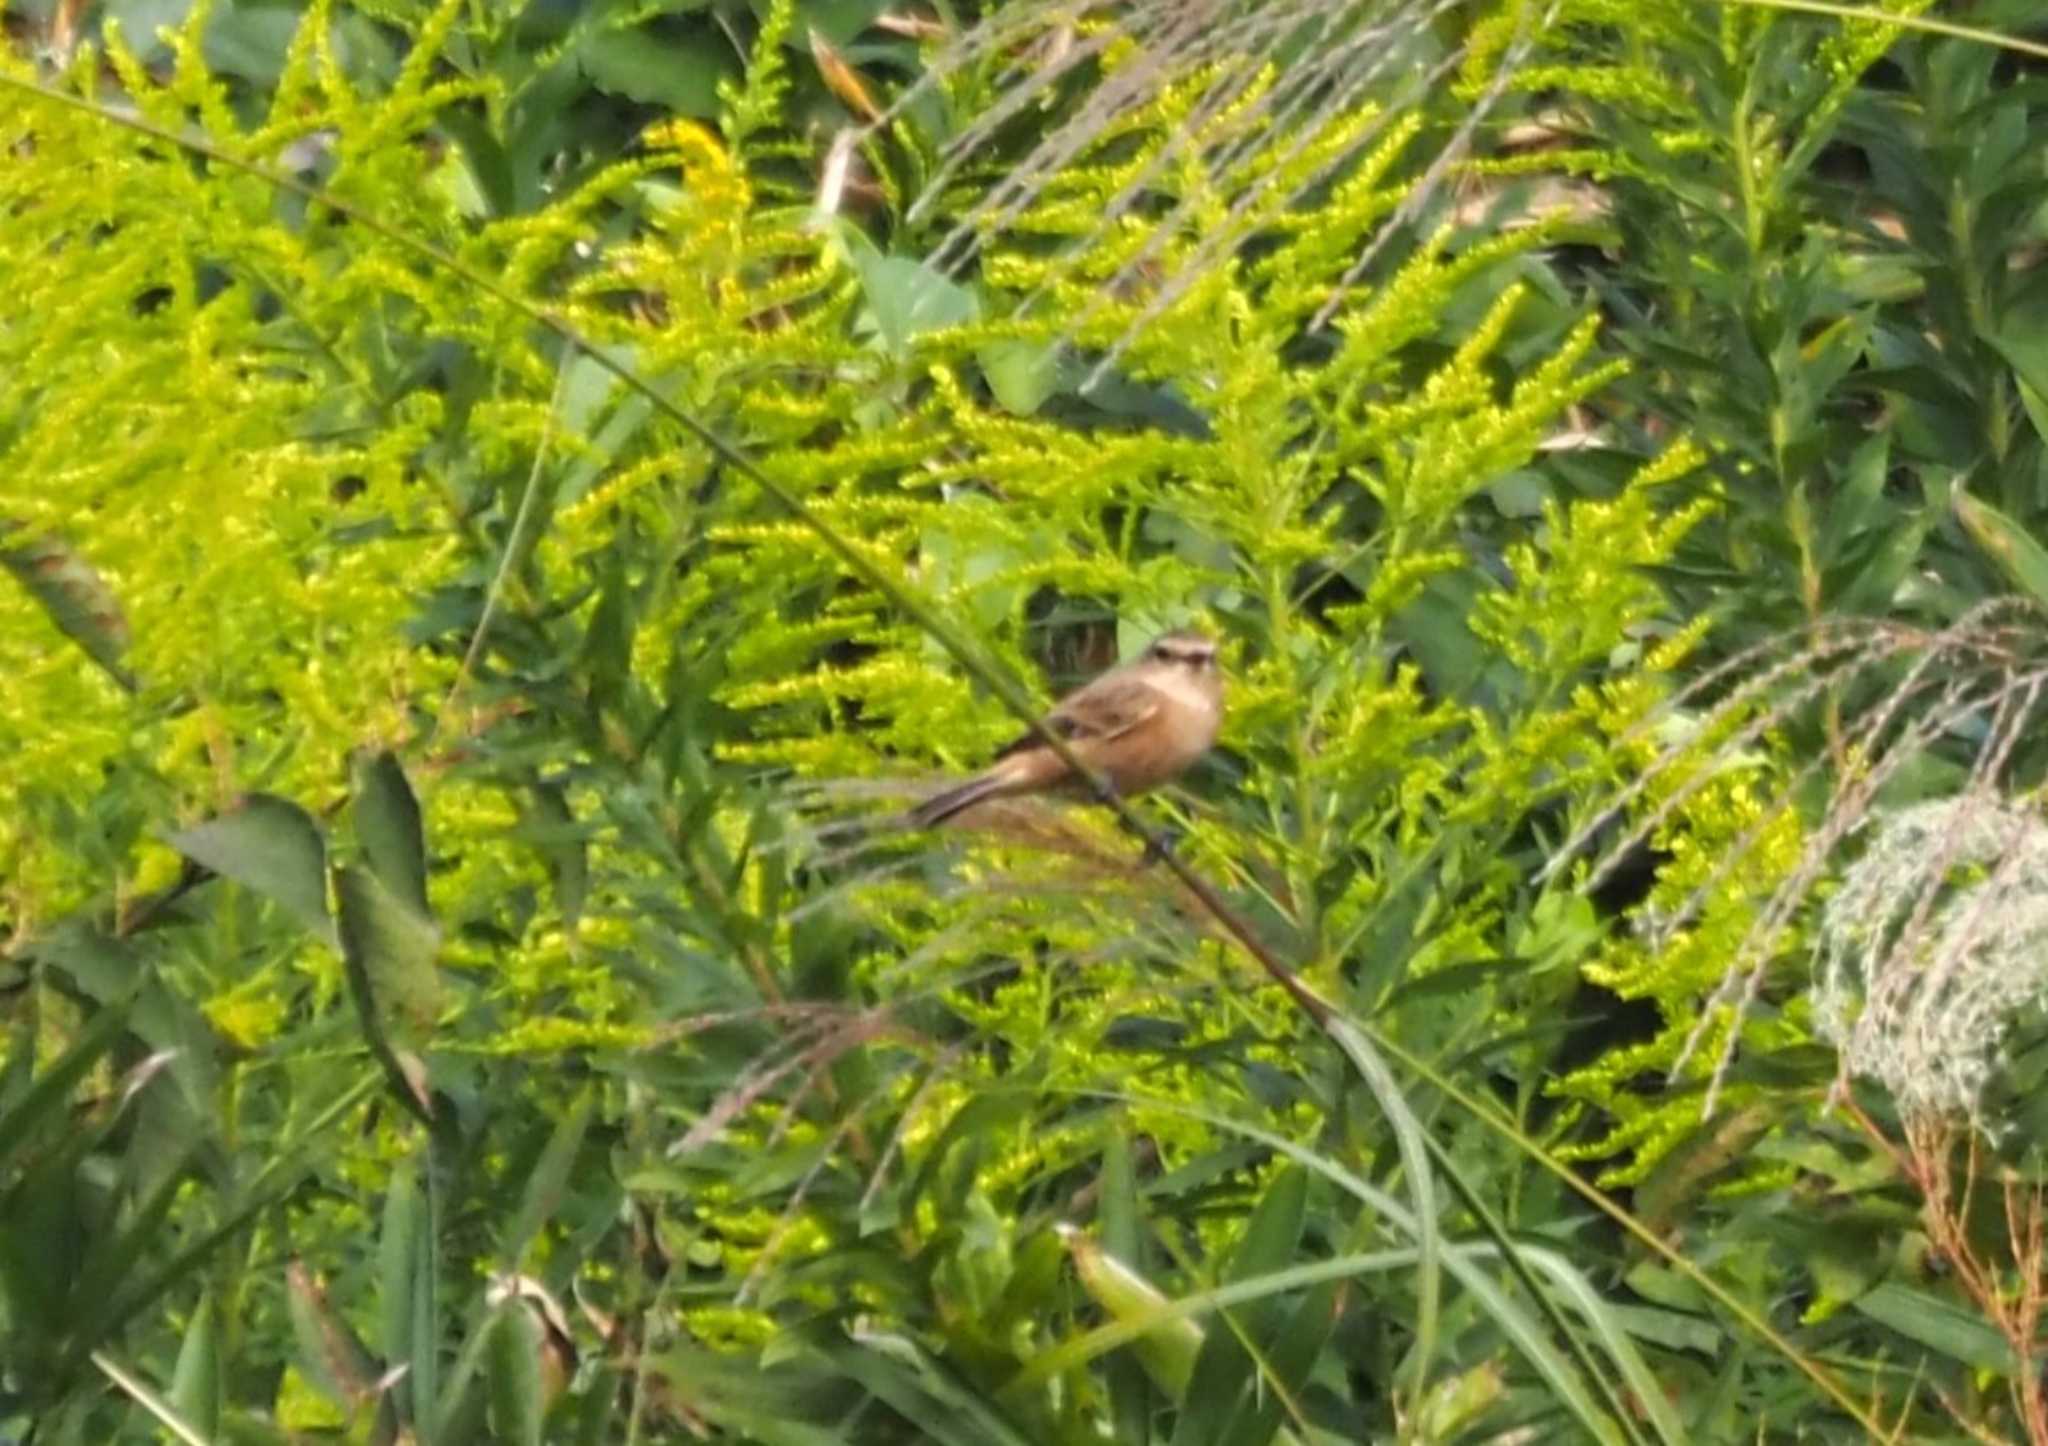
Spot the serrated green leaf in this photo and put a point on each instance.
(677, 74)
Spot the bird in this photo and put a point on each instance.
(1137, 726)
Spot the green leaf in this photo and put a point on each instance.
(140, 20)
(1412, 1141)
(47, 1101)
(2036, 403)
(1230, 1390)
(1168, 1347)
(1857, 503)
(72, 593)
(105, 1283)
(1614, 1335)
(396, 947)
(1873, 587)
(518, 1394)
(2017, 555)
(1435, 630)
(115, 971)
(1943, 1327)
(251, 40)
(1120, 1221)
(387, 819)
(905, 297)
(401, 1281)
(1520, 493)
(602, 448)
(271, 846)
(2022, 339)
(195, 1383)
(587, 384)
(462, 1415)
(1845, 1261)
(606, 654)
(388, 954)
(840, 21)
(548, 1181)
(925, 1391)
(677, 74)
(330, 1354)
(51, 1212)
(554, 833)
(1022, 374)
(1671, 1329)
(480, 157)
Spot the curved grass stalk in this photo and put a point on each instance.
(139, 1391)
(1460, 1259)
(1924, 24)
(1528, 1336)
(1489, 1115)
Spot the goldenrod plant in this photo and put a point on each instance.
(491, 578)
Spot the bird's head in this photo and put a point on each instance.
(1184, 650)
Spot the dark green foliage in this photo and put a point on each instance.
(1827, 276)
(537, 1027)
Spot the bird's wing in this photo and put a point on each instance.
(1104, 710)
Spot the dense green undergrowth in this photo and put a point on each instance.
(464, 982)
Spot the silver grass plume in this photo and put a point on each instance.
(1980, 678)
(1936, 938)
(1272, 76)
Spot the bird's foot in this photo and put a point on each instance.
(1159, 847)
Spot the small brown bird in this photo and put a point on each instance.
(1139, 725)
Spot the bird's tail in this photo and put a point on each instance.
(942, 806)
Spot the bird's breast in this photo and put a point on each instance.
(1168, 743)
